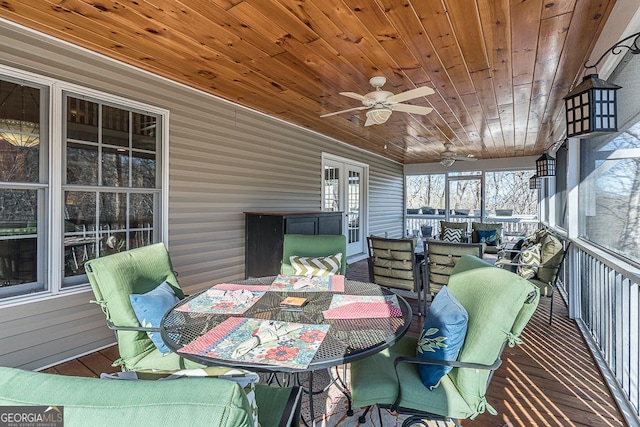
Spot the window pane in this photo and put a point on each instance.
(82, 164)
(425, 193)
(113, 211)
(82, 120)
(18, 238)
(115, 126)
(141, 210)
(508, 194)
(610, 190)
(143, 170)
(144, 132)
(464, 197)
(331, 188)
(115, 167)
(19, 164)
(19, 133)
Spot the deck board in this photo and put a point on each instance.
(549, 380)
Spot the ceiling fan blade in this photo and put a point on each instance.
(465, 158)
(344, 111)
(353, 95)
(411, 94)
(408, 108)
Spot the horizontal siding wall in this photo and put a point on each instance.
(223, 160)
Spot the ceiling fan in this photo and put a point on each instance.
(449, 156)
(381, 103)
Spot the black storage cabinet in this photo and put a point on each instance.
(264, 233)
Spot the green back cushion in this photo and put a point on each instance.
(495, 301)
(198, 401)
(312, 246)
(113, 278)
(442, 336)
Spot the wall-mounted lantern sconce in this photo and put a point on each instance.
(545, 166)
(535, 183)
(591, 106)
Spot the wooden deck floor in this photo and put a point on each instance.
(550, 380)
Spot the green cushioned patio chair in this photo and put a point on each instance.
(320, 245)
(137, 271)
(392, 264)
(499, 304)
(182, 402)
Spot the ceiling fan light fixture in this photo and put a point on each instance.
(447, 162)
(379, 115)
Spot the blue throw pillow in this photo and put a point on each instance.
(150, 308)
(488, 237)
(442, 336)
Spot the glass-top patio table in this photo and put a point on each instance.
(346, 340)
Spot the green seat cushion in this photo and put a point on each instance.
(546, 288)
(154, 359)
(373, 381)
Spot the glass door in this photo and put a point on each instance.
(343, 190)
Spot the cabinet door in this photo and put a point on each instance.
(301, 225)
(330, 224)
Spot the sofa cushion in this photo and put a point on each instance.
(550, 257)
(316, 266)
(442, 336)
(529, 261)
(150, 307)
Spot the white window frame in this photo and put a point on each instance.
(54, 253)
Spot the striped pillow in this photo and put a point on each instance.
(529, 261)
(452, 235)
(316, 266)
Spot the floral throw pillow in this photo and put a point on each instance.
(488, 237)
(529, 261)
(442, 336)
(452, 235)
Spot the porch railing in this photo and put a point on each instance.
(513, 226)
(608, 299)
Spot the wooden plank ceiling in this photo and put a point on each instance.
(499, 68)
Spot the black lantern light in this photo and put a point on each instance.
(535, 183)
(545, 166)
(591, 106)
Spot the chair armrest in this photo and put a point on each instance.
(291, 414)
(426, 361)
(113, 327)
